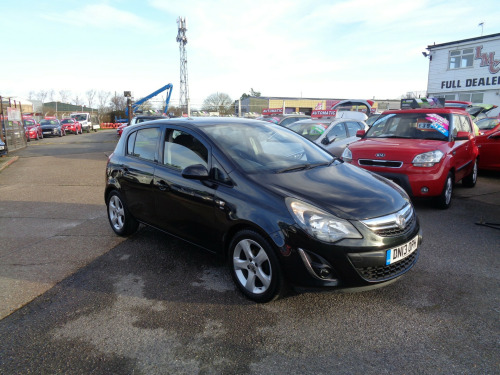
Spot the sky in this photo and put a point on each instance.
(356, 49)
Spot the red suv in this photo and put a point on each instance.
(425, 151)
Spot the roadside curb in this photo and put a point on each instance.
(5, 164)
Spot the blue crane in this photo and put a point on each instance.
(136, 105)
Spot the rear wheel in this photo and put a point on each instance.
(471, 179)
(121, 220)
(443, 201)
(255, 268)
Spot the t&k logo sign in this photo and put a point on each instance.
(487, 59)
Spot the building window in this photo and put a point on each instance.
(474, 97)
(462, 58)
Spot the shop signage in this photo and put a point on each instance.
(487, 59)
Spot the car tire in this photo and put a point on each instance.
(121, 220)
(471, 179)
(443, 201)
(88, 129)
(255, 268)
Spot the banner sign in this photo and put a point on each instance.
(324, 113)
(272, 111)
(13, 114)
(422, 103)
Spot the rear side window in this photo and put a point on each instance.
(353, 127)
(181, 150)
(461, 123)
(337, 132)
(143, 143)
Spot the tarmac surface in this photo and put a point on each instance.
(77, 299)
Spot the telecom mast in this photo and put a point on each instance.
(184, 88)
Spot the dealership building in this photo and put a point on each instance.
(466, 70)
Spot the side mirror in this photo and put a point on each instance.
(325, 141)
(463, 136)
(360, 133)
(195, 172)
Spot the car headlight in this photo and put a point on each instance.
(347, 155)
(428, 159)
(320, 224)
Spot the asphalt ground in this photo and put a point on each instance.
(76, 299)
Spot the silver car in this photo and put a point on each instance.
(333, 134)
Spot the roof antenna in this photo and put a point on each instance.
(482, 26)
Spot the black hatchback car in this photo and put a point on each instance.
(279, 208)
(52, 127)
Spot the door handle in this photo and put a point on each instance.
(162, 185)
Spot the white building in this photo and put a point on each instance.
(466, 70)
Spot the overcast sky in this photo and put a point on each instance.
(318, 49)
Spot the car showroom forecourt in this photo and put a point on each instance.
(278, 207)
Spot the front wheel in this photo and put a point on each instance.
(471, 179)
(443, 201)
(121, 220)
(255, 268)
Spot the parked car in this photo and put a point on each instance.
(426, 151)
(3, 148)
(137, 120)
(488, 125)
(52, 128)
(71, 125)
(284, 120)
(310, 221)
(332, 134)
(33, 129)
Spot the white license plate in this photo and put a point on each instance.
(1, 147)
(47, 132)
(401, 252)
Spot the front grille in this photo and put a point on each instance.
(382, 273)
(380, 163)
(394, 224)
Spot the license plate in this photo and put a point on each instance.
(401, 252)
(1, 147)
(47, 132)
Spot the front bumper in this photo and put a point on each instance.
(349, 263)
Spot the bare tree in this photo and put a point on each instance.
(118, 103)
(42, 95)
(90, 97)
(64, 94)
(51, 93)
(103, 101)
(77, 100)
(218, 102)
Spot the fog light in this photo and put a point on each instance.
(424, 190)
(324, 273)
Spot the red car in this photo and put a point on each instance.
(488, 142)
(33, 129)
(425, 151)
(71, 125)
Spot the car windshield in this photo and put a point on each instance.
(267, 148)
(411, 125)
(48, 122)
(79, 117)
(310, 130)
(487, 123)
(29, 122)
(67, 121)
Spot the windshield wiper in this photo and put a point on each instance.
(298, 167)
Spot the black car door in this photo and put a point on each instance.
(137, 171)
(185, 207)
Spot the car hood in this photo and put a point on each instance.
(397, 149)
(344, 190)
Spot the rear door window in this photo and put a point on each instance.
(144, 143)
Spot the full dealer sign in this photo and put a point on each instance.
(487, 60)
